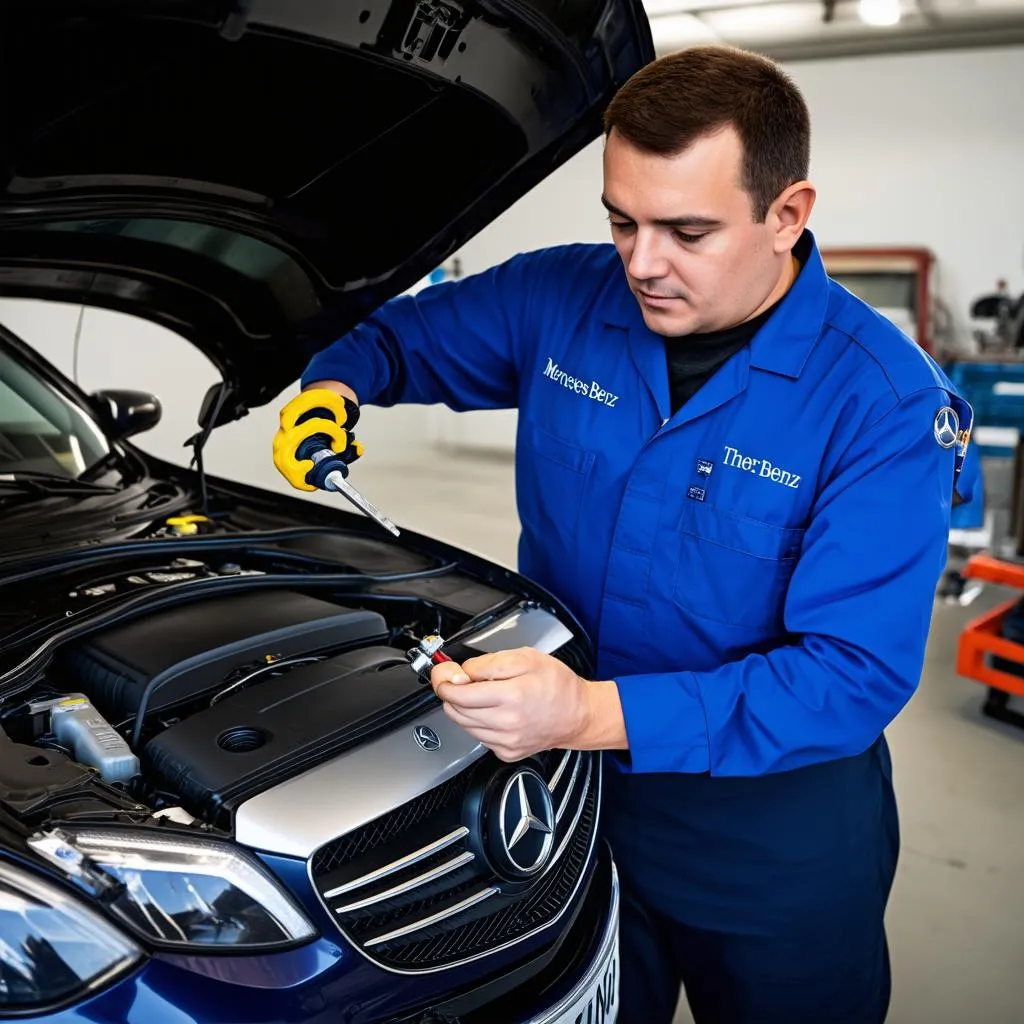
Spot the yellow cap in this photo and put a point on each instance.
(186, 526)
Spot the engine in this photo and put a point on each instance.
(272, 718)
(203, 705)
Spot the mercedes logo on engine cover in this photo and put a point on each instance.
(427, 738)
(525, 819)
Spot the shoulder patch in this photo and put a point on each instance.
(946, 427)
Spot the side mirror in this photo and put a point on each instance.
(124, 414)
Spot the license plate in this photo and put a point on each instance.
(599, 1003)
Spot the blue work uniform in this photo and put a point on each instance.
(757, 572)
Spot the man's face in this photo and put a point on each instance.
(683, 225)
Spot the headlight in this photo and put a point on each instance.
(194, 891)
(52, 947)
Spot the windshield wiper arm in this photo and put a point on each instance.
(50, 483)
(112, 460)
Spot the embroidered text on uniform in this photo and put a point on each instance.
(761, 467)
(589, 389)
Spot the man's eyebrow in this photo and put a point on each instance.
(614, 209)
(691, 220)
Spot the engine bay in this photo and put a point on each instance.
(177, 688)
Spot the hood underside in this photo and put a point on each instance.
(259, 175)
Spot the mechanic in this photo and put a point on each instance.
(739, 477)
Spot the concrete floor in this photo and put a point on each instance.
(956, 918)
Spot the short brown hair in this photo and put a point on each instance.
(676, 99)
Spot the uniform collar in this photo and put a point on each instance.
(785, 341)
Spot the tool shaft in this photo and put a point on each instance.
(336, 482)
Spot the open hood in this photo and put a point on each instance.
(259, 175)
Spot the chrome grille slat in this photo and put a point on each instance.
(441, 915)
(560, 770)
(569, 790)
(401, 863)
(556, 856)
(413, 883)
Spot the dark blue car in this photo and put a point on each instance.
(225, 794)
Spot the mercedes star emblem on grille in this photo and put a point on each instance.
(526, 823)
(427, 738)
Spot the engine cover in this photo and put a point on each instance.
(163, 659)
(277, 728)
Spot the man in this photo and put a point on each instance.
(739, 477)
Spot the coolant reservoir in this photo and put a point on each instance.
(92, 739)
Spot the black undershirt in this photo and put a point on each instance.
(693, 358)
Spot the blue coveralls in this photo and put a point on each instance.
(757, 572)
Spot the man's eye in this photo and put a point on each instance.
(621, 225)
(689, 239)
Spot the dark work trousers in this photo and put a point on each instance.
(763, 897)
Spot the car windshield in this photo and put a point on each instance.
(42, 431)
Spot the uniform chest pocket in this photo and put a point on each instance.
(551, 477)
(733, 569)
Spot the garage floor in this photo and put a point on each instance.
(956, 918)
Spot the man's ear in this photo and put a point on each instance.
(789, 214)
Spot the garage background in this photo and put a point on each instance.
(922, 146)
(918, 141)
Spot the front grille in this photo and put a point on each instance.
(415, 888)
(395, 823)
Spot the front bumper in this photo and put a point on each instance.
(596, 996)
(576, 981)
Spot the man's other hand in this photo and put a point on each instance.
(520, 702)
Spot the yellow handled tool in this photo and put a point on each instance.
(313, 450)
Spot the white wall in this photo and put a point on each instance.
(923, 149)
(909, 149)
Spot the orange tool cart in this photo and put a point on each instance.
(985, 653)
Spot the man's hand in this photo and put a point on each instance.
(330, 411)
(522, 701)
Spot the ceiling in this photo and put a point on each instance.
(802, 29)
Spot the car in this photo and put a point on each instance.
(226, 793)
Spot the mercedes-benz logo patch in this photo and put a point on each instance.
(427, 738)
(946, 427)
(526, 822)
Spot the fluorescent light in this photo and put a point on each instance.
(882, 13)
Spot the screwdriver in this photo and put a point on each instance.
(329, 473)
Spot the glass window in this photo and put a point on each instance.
(882, 290)
(40, 429)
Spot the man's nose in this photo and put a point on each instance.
(647, 261)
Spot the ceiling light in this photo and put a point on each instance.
(882, 13)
